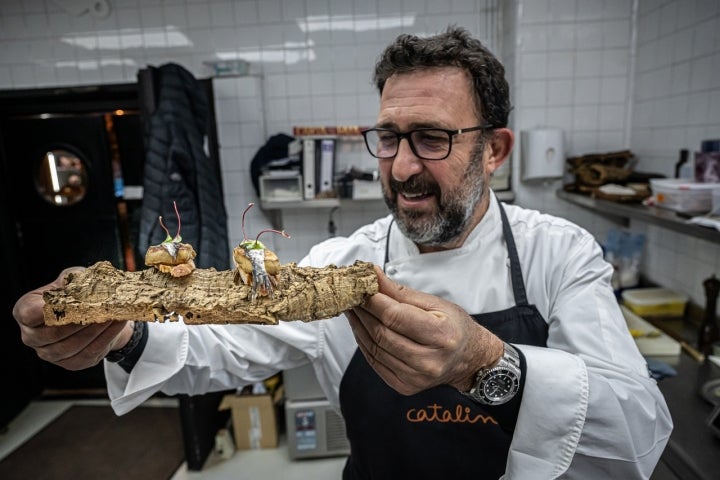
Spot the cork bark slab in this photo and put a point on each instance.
(102, 293)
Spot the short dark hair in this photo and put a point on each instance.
(455, 48)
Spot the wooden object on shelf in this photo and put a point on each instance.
(596, 175)
(304, 130)
(619, 159)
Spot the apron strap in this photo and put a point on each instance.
(387, 245)
(515, 272)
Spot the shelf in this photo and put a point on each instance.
(275, 208)
(623, 212)
(299, 204)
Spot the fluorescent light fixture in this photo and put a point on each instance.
(289, 57)
(124, 38)
(95, 64)
(288, 53)
(355, 23)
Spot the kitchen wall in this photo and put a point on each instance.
(310, 64)
(614, 74)
(617, 74)
(676, 105)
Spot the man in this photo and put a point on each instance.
(495, 345)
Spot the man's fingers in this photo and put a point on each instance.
(407, 295)
(389, 367)
(28, 308)
(84, 346)
(388, 347)
(410, 320)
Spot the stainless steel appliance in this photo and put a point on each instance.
(314, 428)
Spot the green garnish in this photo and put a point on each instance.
(170, 239)
(256, 244)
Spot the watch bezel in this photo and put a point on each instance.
(508, 365)
(491, 376)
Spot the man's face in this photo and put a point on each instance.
(435, 202)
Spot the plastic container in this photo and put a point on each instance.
(655, 302)
(683, 196)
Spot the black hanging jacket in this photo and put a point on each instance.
(177, 168)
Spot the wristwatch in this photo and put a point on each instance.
(498, 384)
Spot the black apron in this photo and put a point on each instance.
(438, 433)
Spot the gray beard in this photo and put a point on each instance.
(455, 208)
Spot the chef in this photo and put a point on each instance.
(495, 346)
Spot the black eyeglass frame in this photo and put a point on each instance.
(408, 136)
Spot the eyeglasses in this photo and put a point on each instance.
(426, 143)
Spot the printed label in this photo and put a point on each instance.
(255, 430)
(305, 430)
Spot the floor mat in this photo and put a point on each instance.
(91, 442)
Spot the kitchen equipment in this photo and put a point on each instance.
(655, 302)
(314, 428)
(281, 187)
(709, 333)
(301, 384)
(682, 195)
(710, 391)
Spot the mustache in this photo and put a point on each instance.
(414, 185)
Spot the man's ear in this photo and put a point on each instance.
(500, 145)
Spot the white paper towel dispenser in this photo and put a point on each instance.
(542, 153)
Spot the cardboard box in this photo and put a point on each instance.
(254, 420)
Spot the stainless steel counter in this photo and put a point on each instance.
(693, 452)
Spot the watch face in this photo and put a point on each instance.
(501, 385)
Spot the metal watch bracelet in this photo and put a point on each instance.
(508, 367)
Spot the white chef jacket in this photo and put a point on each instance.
(589, 408)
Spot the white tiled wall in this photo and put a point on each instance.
(310, 63)
(676, 106)
(617, 74)
(573, 64)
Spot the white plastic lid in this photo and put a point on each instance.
(653, 296)
(682, 184)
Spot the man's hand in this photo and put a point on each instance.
(416, 341)
(74, 347)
